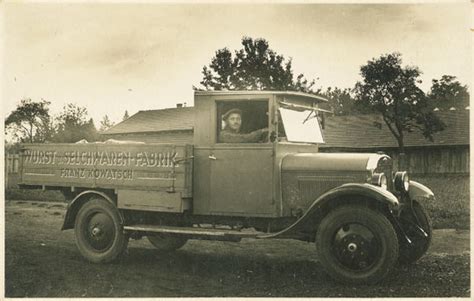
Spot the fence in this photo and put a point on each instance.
(431, 161)
(12, 162)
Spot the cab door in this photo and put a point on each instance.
(241, 180)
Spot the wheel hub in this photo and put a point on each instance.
(352, 247)
(96, 231)
(100, 231)
(355, 247)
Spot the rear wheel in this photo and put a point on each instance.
(416, 224)
(166, 242)
(357, 245)
(99, 232)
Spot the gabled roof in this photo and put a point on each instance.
(356, 131)
(359, 131)
(174, 119)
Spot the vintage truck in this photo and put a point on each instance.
(363, 216)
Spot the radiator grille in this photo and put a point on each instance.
(311, 187)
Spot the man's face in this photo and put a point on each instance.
(234, 121)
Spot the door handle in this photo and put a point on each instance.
(212, 157)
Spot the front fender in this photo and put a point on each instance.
(367, 191)
(418, 191)
(76, 204)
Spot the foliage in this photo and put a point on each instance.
(447, 92)
(254, 67)
(106, 124)
(340, 101)
(125, 116)
(30, 121)
(73, 125)
(391, 90)
(12, 147)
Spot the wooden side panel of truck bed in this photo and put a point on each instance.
(159, 167)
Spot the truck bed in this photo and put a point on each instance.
(151, 167)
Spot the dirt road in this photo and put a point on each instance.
(42, 261)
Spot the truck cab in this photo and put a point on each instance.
(242, 177)
(253, 171)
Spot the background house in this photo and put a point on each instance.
(442, 165)
(448, 153)
(435, 163)
(173, 125)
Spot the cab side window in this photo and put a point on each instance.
(242, 121)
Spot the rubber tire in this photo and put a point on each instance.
(166, 243)
(412, 254)
(377, 223)
(120, 241)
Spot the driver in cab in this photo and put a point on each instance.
(231, 132)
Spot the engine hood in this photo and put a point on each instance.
(331, 161)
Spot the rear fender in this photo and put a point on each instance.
(365, 191)
(76, 204)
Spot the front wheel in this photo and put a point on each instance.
(99, 232)
(357, 245)
(416, 224)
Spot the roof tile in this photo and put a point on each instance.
(360, 131)
(173, 119)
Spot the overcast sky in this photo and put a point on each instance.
(116, 57)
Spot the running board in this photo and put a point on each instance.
(196, 232)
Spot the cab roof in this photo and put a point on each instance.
(259, 92)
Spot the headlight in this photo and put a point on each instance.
(379, 179)
(401, 181)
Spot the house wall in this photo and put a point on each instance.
(435, 160)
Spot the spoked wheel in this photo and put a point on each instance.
(416, 224)
(99, 233)
(357, 245)
(166, 242)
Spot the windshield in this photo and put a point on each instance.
(300, 126)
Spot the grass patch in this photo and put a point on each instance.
(451, 207)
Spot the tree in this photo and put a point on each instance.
(340, 101)
(125, 116)
(106, 124)
(30, 121)
(447, 92)
(254, 67)
(72, 125)
(391, 90)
